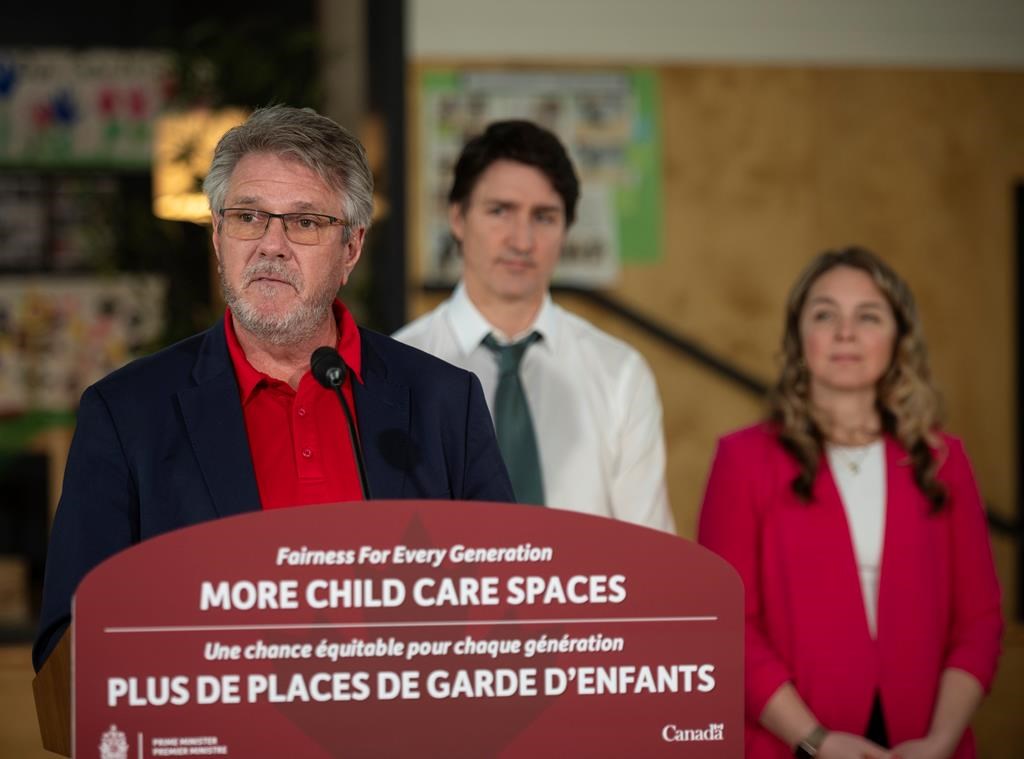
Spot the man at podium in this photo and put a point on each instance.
(233, 419)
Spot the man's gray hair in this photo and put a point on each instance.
(303, 135)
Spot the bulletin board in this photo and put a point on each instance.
(608, 120)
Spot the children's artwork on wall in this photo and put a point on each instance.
(89, 108)
(59, 335)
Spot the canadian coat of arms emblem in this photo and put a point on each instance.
(113, 744)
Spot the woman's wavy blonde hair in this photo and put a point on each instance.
(907, 401)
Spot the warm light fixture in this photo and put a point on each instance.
(183, 144)
(373, 135)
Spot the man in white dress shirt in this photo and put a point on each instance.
(591, 403)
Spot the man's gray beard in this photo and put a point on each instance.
(296, 326)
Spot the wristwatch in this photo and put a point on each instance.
(809, 746)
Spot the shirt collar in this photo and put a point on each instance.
(249, 378)
(350, 344)
(470, 326)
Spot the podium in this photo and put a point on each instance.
(391, 628)
(51, 688)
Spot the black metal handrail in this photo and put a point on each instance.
(668, 336)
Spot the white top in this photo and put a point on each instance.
(859, 473)
(594, 403)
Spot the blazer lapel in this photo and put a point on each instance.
(899, 557)
(846, 574)
(216, 428)
(382, 414)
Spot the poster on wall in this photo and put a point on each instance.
(58, 336)
(609, 121)
(92, 108)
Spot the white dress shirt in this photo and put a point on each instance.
(859, 474)
(593, 400)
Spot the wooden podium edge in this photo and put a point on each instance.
(52, 690)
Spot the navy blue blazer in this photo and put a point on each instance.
(161, 444)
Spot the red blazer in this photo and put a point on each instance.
(938, 604)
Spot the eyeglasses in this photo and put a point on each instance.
(300, 228)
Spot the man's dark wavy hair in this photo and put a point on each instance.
(522, 142)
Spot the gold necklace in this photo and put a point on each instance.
(853, 463)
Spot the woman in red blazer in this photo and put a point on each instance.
(872, 605)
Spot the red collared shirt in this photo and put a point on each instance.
(298, 439)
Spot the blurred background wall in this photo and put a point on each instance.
(783, 128)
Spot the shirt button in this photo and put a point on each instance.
(301, 412)
(306, 453)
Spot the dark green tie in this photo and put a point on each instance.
(512, 421)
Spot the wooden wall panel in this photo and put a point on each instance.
(767, 166)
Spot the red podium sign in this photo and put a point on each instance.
(401, 628)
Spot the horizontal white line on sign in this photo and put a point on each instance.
(445, 623)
